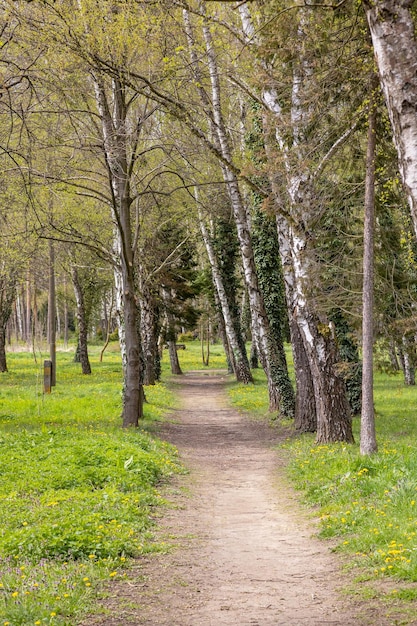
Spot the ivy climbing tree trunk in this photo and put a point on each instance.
(268, 352)
(297, 209)
(237, 353)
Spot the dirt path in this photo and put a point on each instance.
(246, 555)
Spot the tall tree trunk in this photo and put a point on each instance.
(115, 134)
(269, 352)
(305, 419)
(267, 259)
(238, 354)
(149, 331)
(65, 314)
(51, 313)
(295, 219)
(7, 297)
(393, 35)
(368, 444)
(3, 360)
(82, 323)
(28, 316)
(223, 335)
(171, 335)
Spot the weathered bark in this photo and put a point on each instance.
(238, 355)
(368, 444)
(82, 323)
(269, 353)
(305, 418)
(394, 41)
(149, 332)
(52, 313)
(7, 296)
(115, 134)
(173, 359)
(409, 361)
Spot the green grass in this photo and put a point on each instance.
(77, 493)
(191, 358)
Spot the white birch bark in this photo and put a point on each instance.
(395, 46)
(368, 443)
(295, 214)
(240, 363)
(260, 320)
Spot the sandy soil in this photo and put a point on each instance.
(245, 552)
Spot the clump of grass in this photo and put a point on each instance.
(77, 492)
(253, 397)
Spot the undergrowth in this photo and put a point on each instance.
(77, 492)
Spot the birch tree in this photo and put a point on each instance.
(368, 443)
(295, 173)
(271, 355)
(392, 28)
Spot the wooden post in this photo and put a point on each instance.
(47, 376)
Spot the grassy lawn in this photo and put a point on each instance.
(76, 491)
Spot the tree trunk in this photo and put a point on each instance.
(171, 335)
(223, 336)
(295, 217)
(409, 360)
(51, 313)
(269, 352)
(7, 297)
(392, 352)
(267, 259)
(173, 359)
(28, 315)
(305, 419)
(116, 137)
(3, 360)
(65, 314)
(239, 356)
(393, 36)
(149, 332)
(82, 323)
(253, 359)
(368, 443)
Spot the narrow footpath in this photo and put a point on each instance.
(245, 552)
